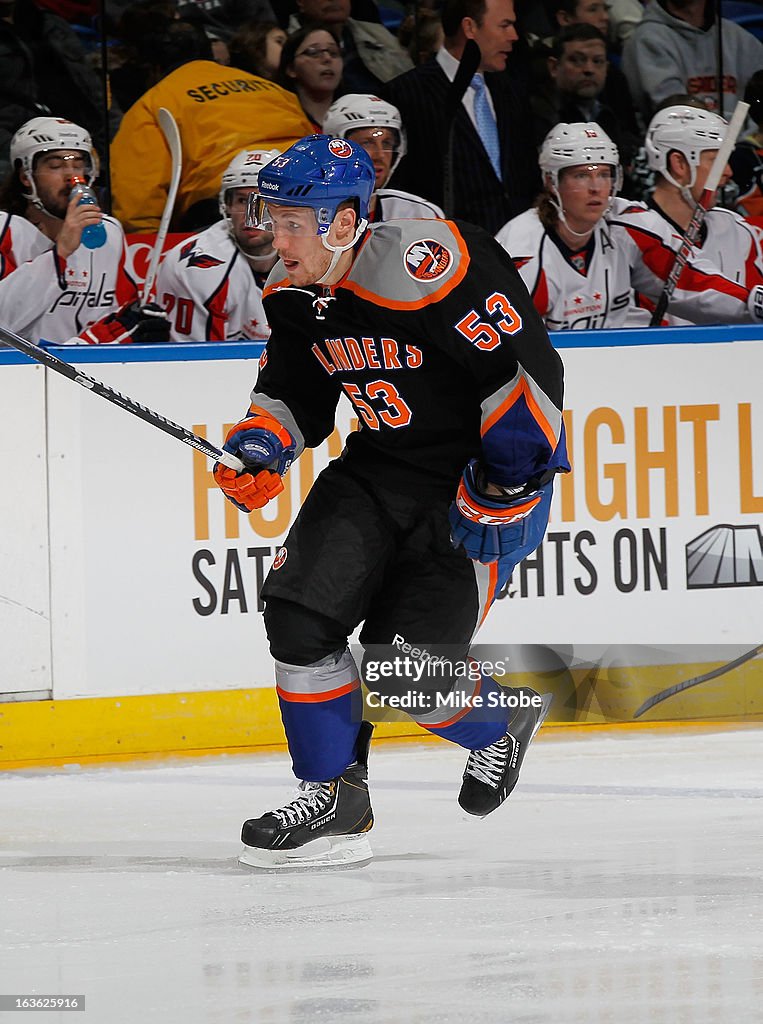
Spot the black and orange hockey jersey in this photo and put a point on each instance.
(434, 339)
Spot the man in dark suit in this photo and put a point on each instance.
(495, 167)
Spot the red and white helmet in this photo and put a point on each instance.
(361, 110)
(690, 130)
(44, 134)
(575, 145)
(243, 172)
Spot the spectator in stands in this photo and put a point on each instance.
(581, 251)
(540, 24)
(256, 48)
(218, 42)
(674, 50)
(287, 12)
(421, 34)
(70, 289)
(376, 126)
(311, 67)
(681, 145)
(747, 159)
(43, 69)
(575, 91)
(581, 12)
(615, 92)
(624, 15)
(225, 15)
(495, 171)
(132, 64)
(371, 54)
(219, 112)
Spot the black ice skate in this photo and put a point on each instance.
(326, 825)
(492, 773)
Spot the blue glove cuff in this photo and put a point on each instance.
(261, 448)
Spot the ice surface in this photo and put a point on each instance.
(621, 883)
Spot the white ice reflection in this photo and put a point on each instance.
(621, 884)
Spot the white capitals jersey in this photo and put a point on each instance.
(392, 204)
(732, 245)
(630, 251)
(207, 287)
(729, 243)
(52, 299)
(19, 241)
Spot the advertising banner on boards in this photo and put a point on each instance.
(653, 558)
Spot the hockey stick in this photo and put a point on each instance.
(470, 62)
(169, 128)
(671, 691)
(705, 202)
(41, 355)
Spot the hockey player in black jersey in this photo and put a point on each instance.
(428, 330)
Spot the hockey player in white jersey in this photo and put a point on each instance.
(581, 251)
(70, 292)
(377, 126)
(35, 284)
(211, 284)
(681, 144)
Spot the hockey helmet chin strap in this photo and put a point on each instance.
(35, 200)
(685, 190)
(557, 204)
(337, 250)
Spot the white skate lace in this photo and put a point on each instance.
(488, 765)
(313, 798)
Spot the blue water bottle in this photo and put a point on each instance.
(94, 235)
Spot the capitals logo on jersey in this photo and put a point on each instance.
(340, 148)
(198, 259)
(427, 260)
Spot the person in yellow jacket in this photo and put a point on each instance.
(220, 111)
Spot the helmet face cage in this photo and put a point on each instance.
(317, 172)
(242, 172)
(361, 110)
(575, 145)
(688, 130)
(45, 134)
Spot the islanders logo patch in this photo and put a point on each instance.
(280, 558)
(339, 147)
(427, 260)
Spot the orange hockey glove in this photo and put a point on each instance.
(263, 444)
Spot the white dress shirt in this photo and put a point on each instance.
(449, 65)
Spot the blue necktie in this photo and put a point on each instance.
(486, 126)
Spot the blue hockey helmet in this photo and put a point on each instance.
(319, 172)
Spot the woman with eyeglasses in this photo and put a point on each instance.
(311, 67)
